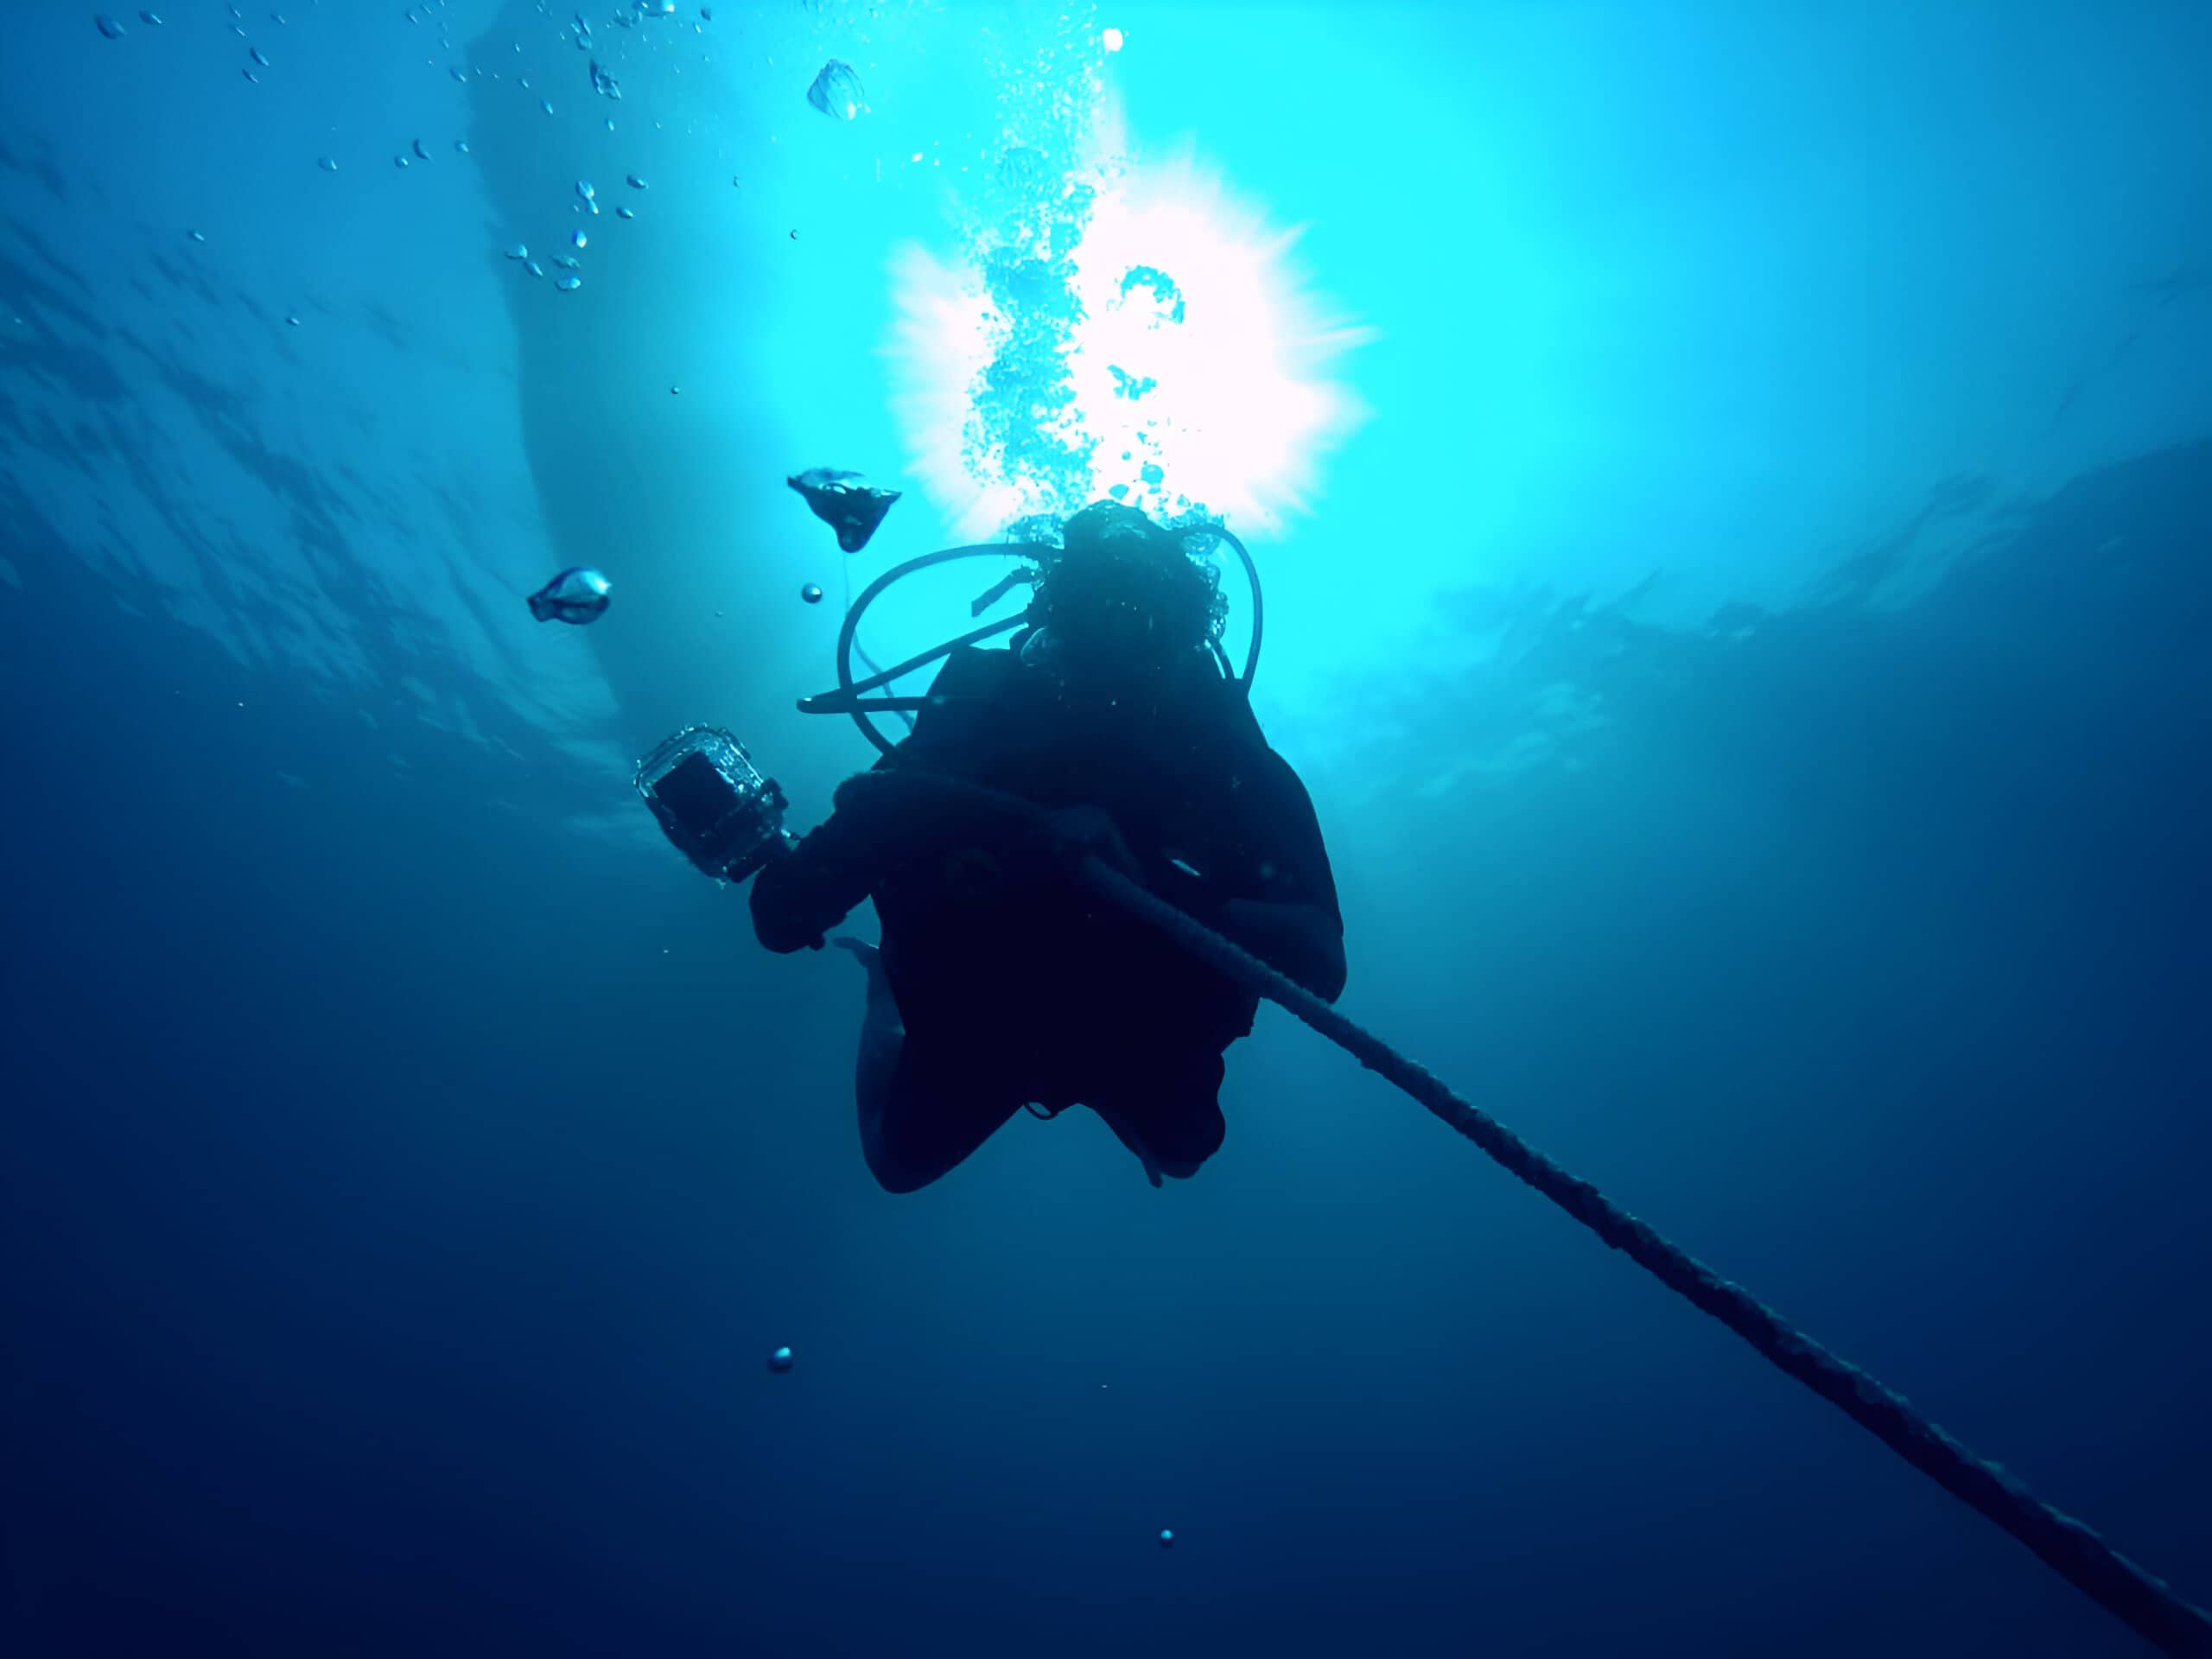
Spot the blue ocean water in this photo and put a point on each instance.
(1733, 490)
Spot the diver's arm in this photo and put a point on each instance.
(883, 817)
(1296, 925)
(1304, 943)
(800, 895)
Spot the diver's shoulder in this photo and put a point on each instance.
(1229, 705)
(974, 668)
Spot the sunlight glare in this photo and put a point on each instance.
(1198, 360)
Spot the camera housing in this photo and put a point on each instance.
(714, 805)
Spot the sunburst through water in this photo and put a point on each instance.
(1171, 354)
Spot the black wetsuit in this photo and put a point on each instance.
(1015, 987)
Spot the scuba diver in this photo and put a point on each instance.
(998, 983)
(1028, 846)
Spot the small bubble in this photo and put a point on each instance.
(811, 593)
(327, 163)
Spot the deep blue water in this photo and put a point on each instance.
(1748, 648)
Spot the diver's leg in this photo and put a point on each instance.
(883, 1038)
(1126, 1133)
(920, 1116)
(933, 1116)
(1170, 1115)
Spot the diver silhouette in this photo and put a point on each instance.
(1090, 867)
(1001, 983)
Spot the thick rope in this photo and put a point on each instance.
(2075, 1552)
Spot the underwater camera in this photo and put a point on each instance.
(717, 807)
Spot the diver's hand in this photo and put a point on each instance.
(1088, 832)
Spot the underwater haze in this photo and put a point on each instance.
(1732, 484)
